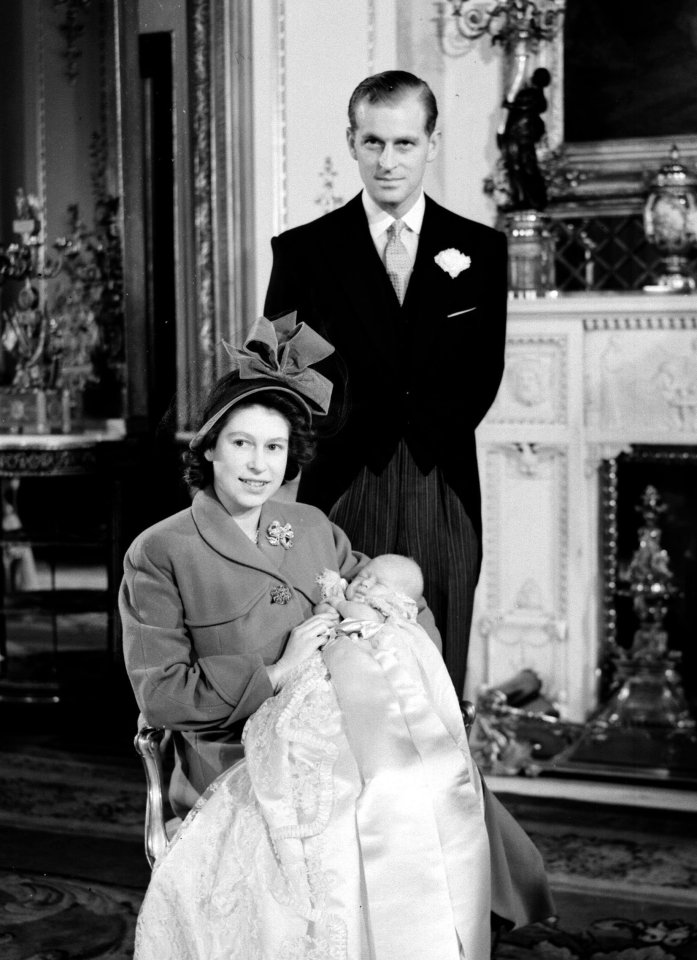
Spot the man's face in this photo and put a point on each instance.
(392, 148)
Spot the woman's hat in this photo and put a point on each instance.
(275, 356)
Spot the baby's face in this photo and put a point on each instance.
(373, 580)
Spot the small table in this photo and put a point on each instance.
(100, 457)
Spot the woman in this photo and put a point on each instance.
(216, 601)
(217, 611)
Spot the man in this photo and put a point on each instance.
(413, 297)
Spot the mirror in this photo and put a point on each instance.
(623, 76)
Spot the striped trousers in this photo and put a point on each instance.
(401, 510)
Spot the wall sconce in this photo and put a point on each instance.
(519, 26)
(507, 22)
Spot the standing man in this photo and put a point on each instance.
(413, 297)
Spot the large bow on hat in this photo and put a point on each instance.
(284, 351)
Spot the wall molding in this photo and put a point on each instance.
(634, 323)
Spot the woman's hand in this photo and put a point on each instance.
(303, 641)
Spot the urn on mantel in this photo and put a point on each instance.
(670, 223)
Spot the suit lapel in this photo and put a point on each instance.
(365, 284)
(430, 289)
(426, 283)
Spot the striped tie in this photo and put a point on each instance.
(397, 261)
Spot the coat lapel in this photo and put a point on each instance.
(297, 566)
(301, 564)
(223, 534)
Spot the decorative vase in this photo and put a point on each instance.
(530, 254)
(670, 223)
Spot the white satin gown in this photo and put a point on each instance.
(352, 830)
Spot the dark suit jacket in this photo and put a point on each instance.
(426, 371)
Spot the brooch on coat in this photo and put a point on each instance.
(278, 533)
(281, 594)
(453, 261)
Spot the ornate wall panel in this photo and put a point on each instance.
(641, 378)
(534, 388)
(526, 561)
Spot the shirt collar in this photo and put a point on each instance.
(379, 220)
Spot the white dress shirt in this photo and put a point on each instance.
(379, 221)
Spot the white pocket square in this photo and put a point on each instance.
(458, 313)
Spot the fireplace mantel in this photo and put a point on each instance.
(587, 377)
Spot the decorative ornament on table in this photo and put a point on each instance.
(670, 223)
(280, 534)
(68, 341)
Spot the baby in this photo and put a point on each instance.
(388, 586)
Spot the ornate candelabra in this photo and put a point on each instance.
(37, 342)
(670, 222)
(649, 693)
(519, 26)
(25, 258)
(507, 22)
(645, 729)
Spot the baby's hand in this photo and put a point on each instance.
(328, 606)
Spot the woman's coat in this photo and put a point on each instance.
(204, 611)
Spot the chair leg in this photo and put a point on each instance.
(148, 743)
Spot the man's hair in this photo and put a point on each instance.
(390, 87)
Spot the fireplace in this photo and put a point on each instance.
(563, 470)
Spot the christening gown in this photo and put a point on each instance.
(352, 830)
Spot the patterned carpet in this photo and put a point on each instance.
(72, 872)
(54, 918)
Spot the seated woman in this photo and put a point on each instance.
(217, 606)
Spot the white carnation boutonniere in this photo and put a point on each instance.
(453, 261)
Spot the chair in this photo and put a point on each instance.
(150, 744)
